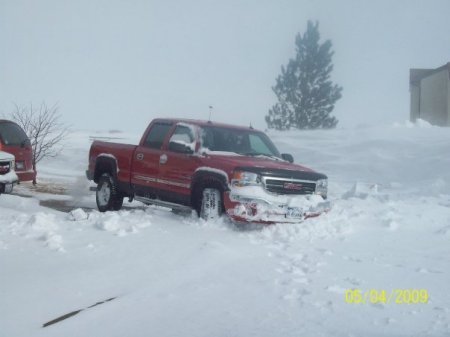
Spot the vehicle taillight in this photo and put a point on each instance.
(20, 165)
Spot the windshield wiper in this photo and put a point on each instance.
(256, 154)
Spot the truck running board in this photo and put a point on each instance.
(177, 207)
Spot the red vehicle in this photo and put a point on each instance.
(15, 141)
(209, 167)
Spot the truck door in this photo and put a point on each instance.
(147, 160)
(176, 173)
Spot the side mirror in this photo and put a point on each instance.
(180, 148)
(288, 157)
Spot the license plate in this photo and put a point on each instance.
(294, 213)
(8, 188)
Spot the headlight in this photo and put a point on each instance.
(244, 178)
(322, 187)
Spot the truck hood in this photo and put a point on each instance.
(262, 165)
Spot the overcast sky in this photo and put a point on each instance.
(118, 64)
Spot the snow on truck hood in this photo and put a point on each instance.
(5, 156)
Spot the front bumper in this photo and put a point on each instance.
(254, 205)
(89, 175)
(26, 175)
(7, 181)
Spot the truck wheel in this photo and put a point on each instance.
(107, 195)
(211, 206)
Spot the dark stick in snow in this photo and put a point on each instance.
(73, 313)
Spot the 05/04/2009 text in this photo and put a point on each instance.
(396, 296)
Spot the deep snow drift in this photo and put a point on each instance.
(174, 275)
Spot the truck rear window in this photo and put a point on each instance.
(157, 134)
(12, 134)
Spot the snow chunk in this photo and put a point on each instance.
(78, 215)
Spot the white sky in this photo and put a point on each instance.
(117, 64)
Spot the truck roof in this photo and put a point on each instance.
(204, 123)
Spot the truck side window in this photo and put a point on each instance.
(207, 139)
(155, 137)
(182, 134)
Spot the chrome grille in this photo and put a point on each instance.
(289, 186)
(5, 167)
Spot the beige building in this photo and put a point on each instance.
(430, 95)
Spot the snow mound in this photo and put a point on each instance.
(40, 226)
(120, 223)
(419, 123)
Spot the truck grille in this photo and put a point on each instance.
(288, 186)
(5, 167)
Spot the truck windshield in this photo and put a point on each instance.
(245, 142)
(12, 134)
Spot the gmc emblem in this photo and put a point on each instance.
(292, 186)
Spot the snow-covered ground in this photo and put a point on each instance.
(174, 275)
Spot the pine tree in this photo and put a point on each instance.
(306, 95)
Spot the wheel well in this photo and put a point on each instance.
(105, 165)
(207, 180)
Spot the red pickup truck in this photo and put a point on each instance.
(208, 167)
(15, 141)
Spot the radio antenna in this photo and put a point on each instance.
(210, 112)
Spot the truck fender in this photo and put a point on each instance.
(105, 163)
(207, 177)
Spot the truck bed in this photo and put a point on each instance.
(122, 154)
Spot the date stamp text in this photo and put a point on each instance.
(395, 296)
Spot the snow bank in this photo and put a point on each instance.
(419, 123)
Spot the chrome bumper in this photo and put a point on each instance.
(269, 210)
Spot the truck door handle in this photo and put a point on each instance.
(163, 159)
(140, 156)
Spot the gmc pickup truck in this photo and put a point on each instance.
(208, 167)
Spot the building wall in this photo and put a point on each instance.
(448, 100)
(415, 103)
(434, 98)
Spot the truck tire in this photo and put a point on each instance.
(211, 205)
(107, 195)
